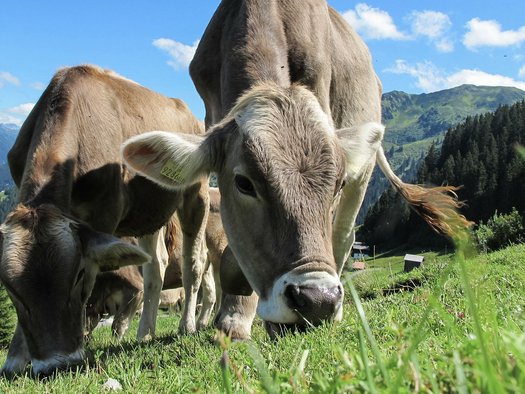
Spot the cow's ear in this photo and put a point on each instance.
(172, 160)
(107, 251)
(360, 144)
(233, 280)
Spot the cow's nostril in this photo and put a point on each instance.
(295, 299)
(314, 303)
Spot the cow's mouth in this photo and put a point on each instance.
(277, 330)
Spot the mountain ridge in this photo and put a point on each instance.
(412, 117)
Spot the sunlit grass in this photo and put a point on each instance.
(460, 329)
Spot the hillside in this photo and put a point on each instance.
(414, 121)
(478, 154)
(8, 133)
(413, 117)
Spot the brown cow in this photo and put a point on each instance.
(293, 107)
(116, 293)
(74, 192)
(119, 293)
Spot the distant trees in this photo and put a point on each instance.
(479, 155)
(7, 201)
(7, 318)
(500, 230)
(7, 311)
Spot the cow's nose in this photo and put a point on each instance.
(313, 303)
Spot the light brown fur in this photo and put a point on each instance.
(293, 107)
(67, 156)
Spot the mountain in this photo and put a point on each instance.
(414, 117)
(8, 133)
(415, 121)
(479, 154)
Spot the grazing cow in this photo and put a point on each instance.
(293, 107)
(119, 293)
(116, 293)
(75, 192)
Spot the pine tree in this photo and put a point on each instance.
(7, 318)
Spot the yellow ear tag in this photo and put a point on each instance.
(172, 171)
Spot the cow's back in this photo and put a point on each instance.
(68, 150)
(310, 44)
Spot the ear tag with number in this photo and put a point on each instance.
(172, 171)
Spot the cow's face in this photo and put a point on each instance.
(49, 264)
(280, 166)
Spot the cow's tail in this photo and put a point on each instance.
(438, 206)
(170, 236)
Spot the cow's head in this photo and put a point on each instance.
(280, 166)
(48, 266)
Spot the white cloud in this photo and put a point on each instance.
(489, 33)
(429, 78)
(477, 77)
(8, 118)
(373, 23)
(38, 85)
(17, 114)
(6, 77)
(181, 54)
(22, 109)
(435, 26)
(427, 75)
(432, 24)
(521, 72)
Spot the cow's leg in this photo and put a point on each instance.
(153, 274)
(352, 197)
(346, 213)
(216, 269)
(125, 314)
(193, 216)
(236, 315)
(18, 355)
(208, 297)
(91, 323)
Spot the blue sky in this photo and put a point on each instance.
(417, 46)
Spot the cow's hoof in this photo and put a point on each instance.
(236, 329)
(186, 328)
(146, 338)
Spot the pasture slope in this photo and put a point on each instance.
(453, 326)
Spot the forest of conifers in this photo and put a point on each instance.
(480, 156)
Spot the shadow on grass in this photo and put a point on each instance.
(401, 250)
(101, 353)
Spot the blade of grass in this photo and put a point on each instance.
(364, 357)
(366, 327)
(268, 383)
(460, 374)
(420, 331)
(225, 373)
(491, 379)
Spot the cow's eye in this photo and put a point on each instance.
(245, 186)
(338, 192)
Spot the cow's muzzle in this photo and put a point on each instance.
(58, 362)
(306, 298)
(314, 304)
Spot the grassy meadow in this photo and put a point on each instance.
(455, 325)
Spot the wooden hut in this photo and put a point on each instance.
(413, 261)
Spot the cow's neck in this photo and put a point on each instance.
(54, 187)
(49, 177)
(265, 46)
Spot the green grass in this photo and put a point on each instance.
(460, 329)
